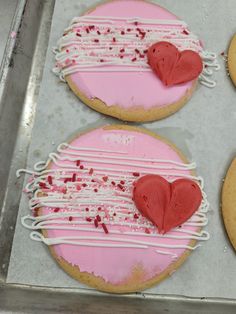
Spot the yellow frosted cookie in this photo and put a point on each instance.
(229, 202)
(232, 59)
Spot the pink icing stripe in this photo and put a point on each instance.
(115, 264)
(129, 89)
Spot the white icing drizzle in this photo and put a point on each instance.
(174, 256)
(129, 243)
(36, 236)
(47, 222)
(111, 19)
(74, 152)
(112, 160)
(101, 44)
(77, 208)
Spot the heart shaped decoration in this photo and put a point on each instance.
(172, 66)
(166, 205)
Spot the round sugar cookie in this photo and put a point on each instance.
(84, 206)
(103, 56)
(232, 59)
(229, 203)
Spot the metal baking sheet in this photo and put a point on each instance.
(204, 129)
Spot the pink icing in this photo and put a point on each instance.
(129, 89)
(115, 264)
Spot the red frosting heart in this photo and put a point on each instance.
(166, 205)
(172, 66)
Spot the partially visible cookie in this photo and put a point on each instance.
(232, 59)
(229, 202)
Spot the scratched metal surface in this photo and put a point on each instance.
(7, 9)
(204, 129)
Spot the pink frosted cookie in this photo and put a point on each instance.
(85, 199)
(104, 56)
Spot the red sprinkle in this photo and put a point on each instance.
(93, 180)
(185, 32)
(91, 27)
(136, 23)
(143, 35)
(122, 182)
(114, 39)
(84, 185)
(50, 180)
(222, 53)
(145, 51)
(121, 57)
(87, 209)
(91, 171)
(67, 180)
(206, 66)
(120, 187)
(98, 218)
(67, 50)
(136, 174)
(122, 50)
(87, 30)
(110, 48)
(114, 214)
(105, 178)
(101, 60)
(108, 30)
(56, 209)
(95, 190)
(134, 59)
(104, 228)
(128, 29)
(77, 34)
(73, 177)
(137, 51)
(77, 163)
(78, 188)
(43, 185)
(95, 223)
(88, 219)
(70, 218)
(96, 40)
(99, 208)
(81, 167)
(64, 190)
(122, 32)
(147, 231)
(113, 183)
(136, 216)
(141, 56)
(98, 32)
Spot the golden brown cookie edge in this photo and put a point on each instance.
(229, 203)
